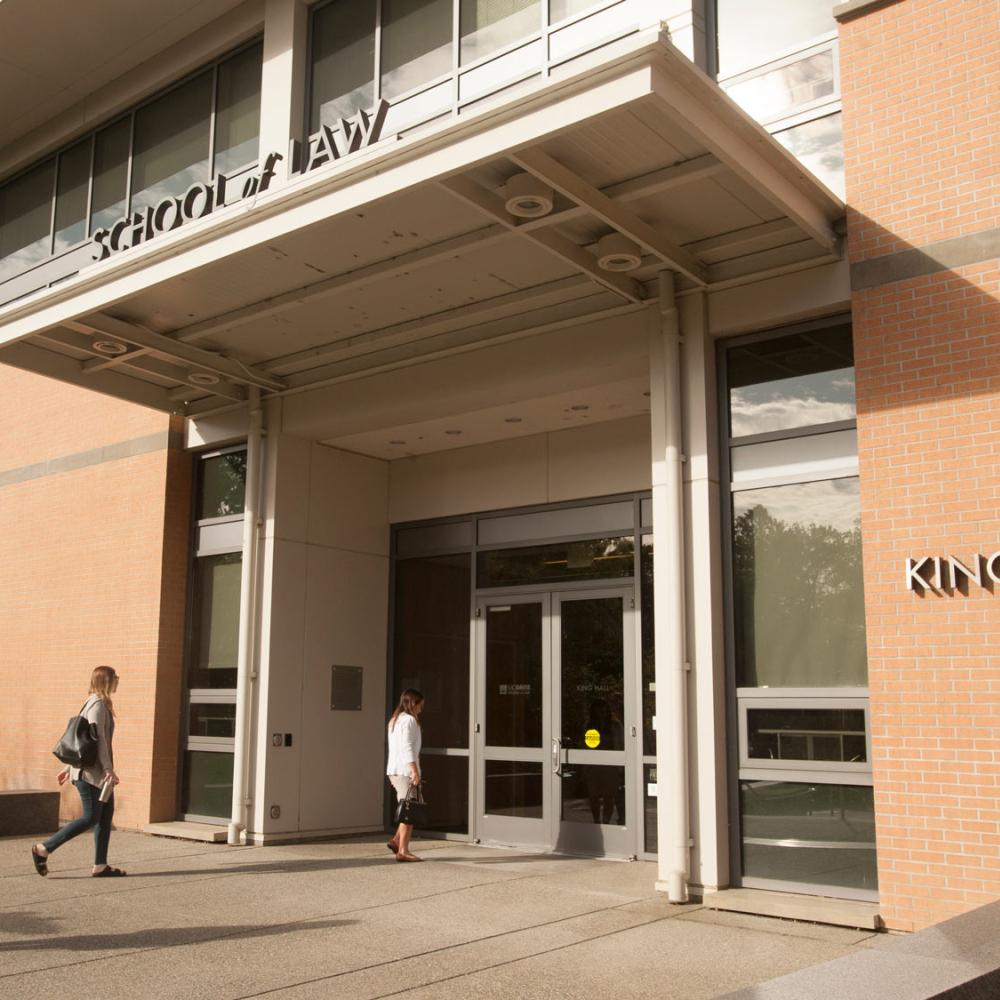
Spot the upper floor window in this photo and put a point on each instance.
(205, 125)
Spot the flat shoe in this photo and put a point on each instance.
(408, 857)
(41, 865)
(109, 873)
(392, 846)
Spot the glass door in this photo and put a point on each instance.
(556, 732)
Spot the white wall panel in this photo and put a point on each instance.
(599, 460)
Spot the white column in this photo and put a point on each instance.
(282, 94)
(241, 749)
(668, 595)
(707, 693)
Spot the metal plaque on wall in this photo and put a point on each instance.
(345, 688)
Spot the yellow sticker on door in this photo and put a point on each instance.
(592, 738)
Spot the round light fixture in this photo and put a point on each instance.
(579, 407)
(203, 378)
(113, 348)
(397, 442)
(618, 253)
(453, 433)
(512, 420)
(527, 197)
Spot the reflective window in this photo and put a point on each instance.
(208, 784)
(560, 9)
(819, 734)
(648, 646)
(26, 219)
(237, 116)
(71, 196)
(513, 788)
(430, 647)
(216, 621)
(751, 32)
(343, 61)
(587, 560)
(593, 793)
(813, 834)
(171, 145)
(111, 150)
(416, 43)
(488, 25)
(791, 381)
(649, 800)
(819, 145)
(210, 720)
(769, 95)
(514, 675)
(798, 589)
(222, 485)
(448, 802)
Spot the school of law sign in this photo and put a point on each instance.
(948, 573)
(200, 200)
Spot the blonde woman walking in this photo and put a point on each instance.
(404, 762)
(99, 710)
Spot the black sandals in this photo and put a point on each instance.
(41, 864)
(109, 872)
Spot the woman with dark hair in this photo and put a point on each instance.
(403, 768)
(98, 808)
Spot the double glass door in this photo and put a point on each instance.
(555, 723)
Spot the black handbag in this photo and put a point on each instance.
(412, 808)
(78, 746)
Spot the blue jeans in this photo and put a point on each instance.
(96, 814)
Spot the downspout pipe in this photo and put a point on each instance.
(251, 513)
(669, 584)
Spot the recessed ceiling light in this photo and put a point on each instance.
(646, 393)
(512, 420)
(397, 442)
(579, 407)
(112, 348)
(453, 433)
(203, 378)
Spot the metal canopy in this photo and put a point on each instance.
(408, 250)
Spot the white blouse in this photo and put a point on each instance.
(404, 745)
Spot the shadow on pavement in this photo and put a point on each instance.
(166, 937)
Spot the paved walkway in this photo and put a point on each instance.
(342, 920)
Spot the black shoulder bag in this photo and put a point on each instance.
(78, 746)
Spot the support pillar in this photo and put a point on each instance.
(283, 80)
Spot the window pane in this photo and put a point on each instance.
(431, 642)
(488, 25)
(222, 486)
(216, 622)
(208, 784)
(822, 734)
(71, 196)
(798, 588)
(110, 174)
(592, 559)
(213, 720)
(513, 788)
(752, 32)
(649, 799)
(819, 146)
(821, 835)
(448, 800)
(778, 91)
(560, 9)
(593, 793)
(648, 646)
(514, 675)
(26, 219)
(343, 61)
(793, 381)
(171, 143)
(416, 43)
(237, 118)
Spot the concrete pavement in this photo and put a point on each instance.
(342, 920)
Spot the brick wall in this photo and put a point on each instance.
(920, 79)
(93, 571)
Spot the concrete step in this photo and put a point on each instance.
(793, 906)
(182, 830)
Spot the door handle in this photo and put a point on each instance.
(556, 755)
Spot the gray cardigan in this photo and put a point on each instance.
(94, 710)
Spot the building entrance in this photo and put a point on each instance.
(556, 745)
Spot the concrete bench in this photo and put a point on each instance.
(958, 959)
(28, 810)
